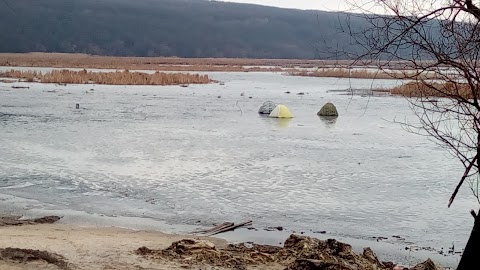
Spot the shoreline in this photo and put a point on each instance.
(80, 247)
(90, 226)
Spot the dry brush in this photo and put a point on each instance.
(113, 78)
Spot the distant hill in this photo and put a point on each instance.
(184, 28)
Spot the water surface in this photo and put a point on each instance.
(202, 154)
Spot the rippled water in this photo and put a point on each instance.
(202, 153)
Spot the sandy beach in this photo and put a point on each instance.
(42, 244)
(90, 248)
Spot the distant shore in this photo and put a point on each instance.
(65, 60)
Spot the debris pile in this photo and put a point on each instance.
(17, 221)
(298, 253)
(25, 255)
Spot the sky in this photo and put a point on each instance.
(356, 6)
(328, 5)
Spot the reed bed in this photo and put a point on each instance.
(113, 78)
(65, 60)
(361, 74)
(220, 68)
(420, 89)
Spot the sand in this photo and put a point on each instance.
(91, 248)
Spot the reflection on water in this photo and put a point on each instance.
(282, 122)
(182, 155)
(276, 122)
(328, 121)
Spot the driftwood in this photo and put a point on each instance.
(230, 228)
(221, 226)
(224, 227)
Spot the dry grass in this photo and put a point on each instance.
(224, 68)
(114, 78)
(419, 89)
(62, 60)
(359, 74)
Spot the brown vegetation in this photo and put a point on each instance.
(360, 74)
(422, 89)
(298, 252)
(62, 60)
(114, 78)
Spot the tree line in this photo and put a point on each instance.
(183, 28)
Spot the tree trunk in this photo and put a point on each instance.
(469, 258)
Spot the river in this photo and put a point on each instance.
(201, 155)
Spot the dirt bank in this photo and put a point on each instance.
(40, 244)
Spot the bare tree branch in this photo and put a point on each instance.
(465, 175)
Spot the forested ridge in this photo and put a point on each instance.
(183, 28)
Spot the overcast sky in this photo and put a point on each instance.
(329, 5)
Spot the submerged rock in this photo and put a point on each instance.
(328, 110)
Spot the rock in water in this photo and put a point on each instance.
(267, 107)
(281, 111)
(328, 110)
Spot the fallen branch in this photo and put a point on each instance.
(221, 226)
(230, 228)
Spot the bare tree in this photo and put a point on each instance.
(8, 5)
(437, 45)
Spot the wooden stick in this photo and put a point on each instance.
(223, 225)
(230, 228)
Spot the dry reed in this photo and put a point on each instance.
(360, 74)
(420, 89)
(64, 60)
(114, 78)
(61, 60)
